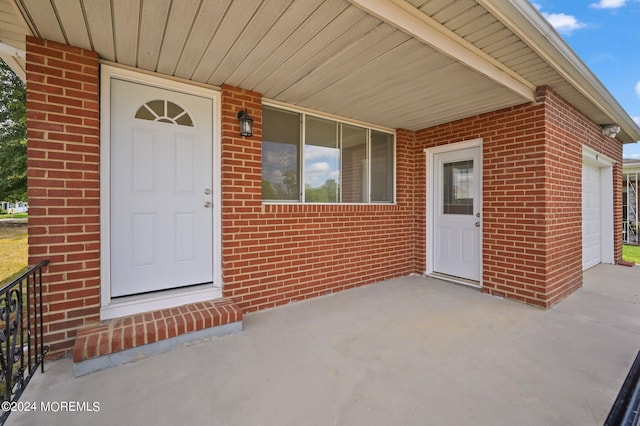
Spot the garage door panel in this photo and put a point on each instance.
(591, 216)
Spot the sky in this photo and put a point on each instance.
(605, 34)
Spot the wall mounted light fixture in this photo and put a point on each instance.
(246, 123)
(611, 130)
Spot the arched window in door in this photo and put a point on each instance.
(164, 111)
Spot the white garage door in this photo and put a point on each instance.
(591, 216)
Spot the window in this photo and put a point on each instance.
(317, 160)
(165, 112)
(457, 194)
(280, 155)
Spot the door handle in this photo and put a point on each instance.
(478, 224)
(207, 204)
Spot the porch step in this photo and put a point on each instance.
(121, 340)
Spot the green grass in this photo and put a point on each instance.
(14, 216)
(631, 253)
(13, 252)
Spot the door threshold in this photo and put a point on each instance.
(129, 305)
(454, 279)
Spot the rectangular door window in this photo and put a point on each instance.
(458, 188)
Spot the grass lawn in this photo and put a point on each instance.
(631, 253)
(14, 216)
(13, 251)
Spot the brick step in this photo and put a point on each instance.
(126, 339)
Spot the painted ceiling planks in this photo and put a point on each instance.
(179, 26)
(348, 61)
(232, 26)
(309, 28)
(326, 55)
(100, 23)
(347, 29)
(282, 28)
(153, 23)
(41, 12)
(208, 18)
(126, 24)
(71, 18)
(259, 25)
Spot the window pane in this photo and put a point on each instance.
(458, 188)
(354, 164)
(321, 161)
(280, 154)
(382, 163)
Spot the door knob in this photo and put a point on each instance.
(477, 224)
(207, 191)
(207, 204)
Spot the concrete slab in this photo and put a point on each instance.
(408, 351)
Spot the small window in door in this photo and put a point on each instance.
(458, 188)
(165, 112)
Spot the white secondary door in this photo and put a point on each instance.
(161, 171)
(457, 190)
(591, 216)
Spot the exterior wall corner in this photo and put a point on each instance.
(63, 131)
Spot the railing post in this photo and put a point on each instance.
(17, 334)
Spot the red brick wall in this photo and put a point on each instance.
(274, 254)
(568, 130)
(532, 199)
(63, 180)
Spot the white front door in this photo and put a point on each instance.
(161, 221)
(457, 192)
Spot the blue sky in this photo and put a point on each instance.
(605, 34)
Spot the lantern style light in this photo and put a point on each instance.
(246, 123)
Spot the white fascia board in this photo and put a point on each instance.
(410, 20)
(534, 30)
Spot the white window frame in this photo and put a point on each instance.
(367, 126)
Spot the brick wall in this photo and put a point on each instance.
(532, 199)
(568, 130)
(274, 254)
(63, 180)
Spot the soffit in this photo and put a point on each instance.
(12, 37)
(326, 55)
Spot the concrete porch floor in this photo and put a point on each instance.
(412, 350)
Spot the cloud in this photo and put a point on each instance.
(608, 4)
(316, 174)
(322, 167)
(638, 89)
(636, 118)
(563, 23)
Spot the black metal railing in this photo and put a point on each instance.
(626, 408)
(21, 335)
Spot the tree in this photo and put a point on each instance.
(327, 193)
(13, 136)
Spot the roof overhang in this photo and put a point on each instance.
(394, 63)
(528, 24)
